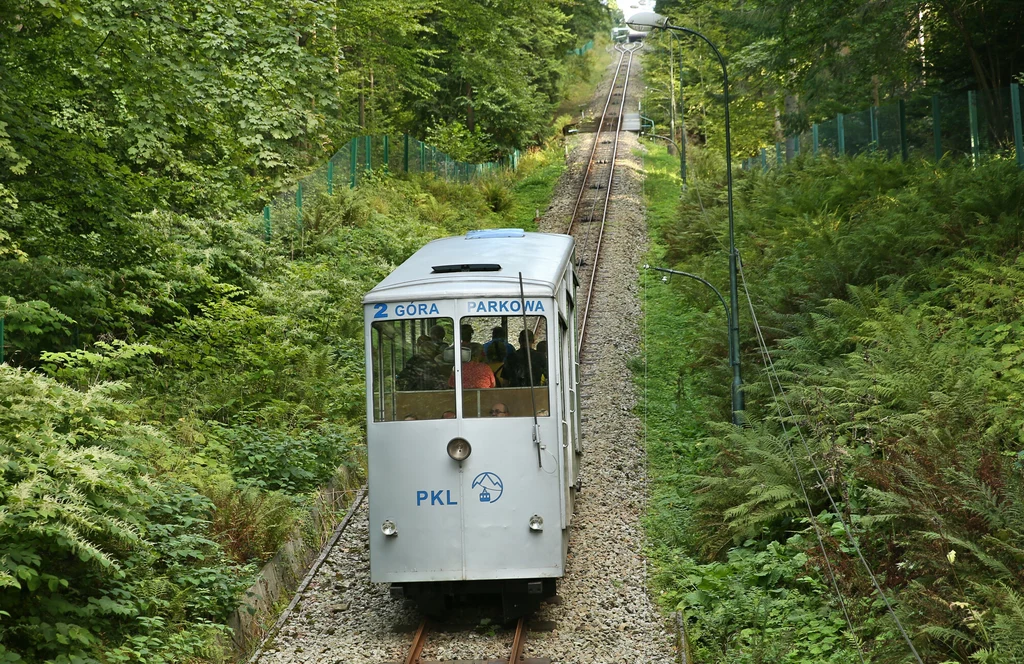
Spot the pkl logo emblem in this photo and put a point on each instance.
(490, 486)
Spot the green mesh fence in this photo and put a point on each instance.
(287, 214)
(828, 137)
(969, 125)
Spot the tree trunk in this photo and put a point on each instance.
(362, 107)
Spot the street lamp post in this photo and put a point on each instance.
(648, 20)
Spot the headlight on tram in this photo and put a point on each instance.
(389, 528)
(459, 449)
(536, 523)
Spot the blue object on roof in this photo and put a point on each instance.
(495, 232)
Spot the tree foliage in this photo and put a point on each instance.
(797, 61)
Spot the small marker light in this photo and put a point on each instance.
(389, 528)
(536, 523)
(459, 448)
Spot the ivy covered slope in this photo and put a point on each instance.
(889, 294)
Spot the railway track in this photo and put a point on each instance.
(602, 612)
(516, 649)
(590, 212)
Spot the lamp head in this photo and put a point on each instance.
(644, 21)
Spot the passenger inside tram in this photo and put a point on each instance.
(414, 368)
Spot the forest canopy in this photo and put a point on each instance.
(793, 62)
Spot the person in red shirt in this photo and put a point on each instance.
(475, 373)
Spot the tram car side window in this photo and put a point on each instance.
(503, 357)
(413, 361)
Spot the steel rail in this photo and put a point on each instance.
(517, 641)
(418, 642)
(607, 198)
(597, 136)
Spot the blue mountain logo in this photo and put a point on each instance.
(490, 485)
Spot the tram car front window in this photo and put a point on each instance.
(504, 355)
(503, 363)
(413, 361)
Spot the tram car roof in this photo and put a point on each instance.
(479, 263)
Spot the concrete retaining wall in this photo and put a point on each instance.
(281, 576)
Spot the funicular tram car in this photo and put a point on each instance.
(473, 441)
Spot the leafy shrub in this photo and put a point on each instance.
(757, 606)
(252, 524)
(497, 194)
(279, 461)
(98, 559)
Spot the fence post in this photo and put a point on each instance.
(353, 162)
(367, 149)
(814, 137)
(298, 207)
(1, 339)
(841, 131)
(266, 223)
(972, 110)
(764, 160)
(1018, 129)
(778, 154)
(387, 152)
(330, 178)
(904, 146)
(873, 115)
(405, 153)
(937, 127)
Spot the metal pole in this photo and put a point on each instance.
(814, 137)
(904, 145)
(873, 117)
(1, 339)
(841, 133)
(266, 223)
(764, 160)
(778, 154)
(353, 162)
(1018, 130)
(972, 110)
(366, 150)
(387, 152)
(937, 127)
(330, 178)
(682, 124)
(298, 208)
(734, 329)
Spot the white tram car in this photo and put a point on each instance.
(473, 441)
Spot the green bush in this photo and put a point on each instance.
(278, 461)
(888, 293)
(99, 560)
